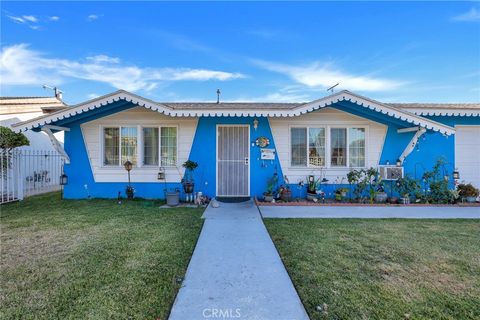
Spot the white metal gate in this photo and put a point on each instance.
(28, 172)
(11, 188)
(233, 160)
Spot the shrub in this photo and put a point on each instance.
(407, 187)
(467, 190)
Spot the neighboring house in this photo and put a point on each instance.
(15, 109)
(35, 168)
(239, 146)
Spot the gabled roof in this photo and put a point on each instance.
(440, 109)
(16, 105)
(236, 109)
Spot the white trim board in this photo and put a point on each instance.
(293, 112)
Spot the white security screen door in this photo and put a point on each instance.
(233, 163)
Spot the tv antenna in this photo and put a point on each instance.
(58, 92)
(333, 87)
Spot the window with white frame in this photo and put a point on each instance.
(327, 147)
(119, 145)
(168, 146)
(356, 147)
(150, 146)
(159, 145)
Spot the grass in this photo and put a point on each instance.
(93, 259)
(382, 269)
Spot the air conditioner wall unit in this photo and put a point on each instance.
(390, 172)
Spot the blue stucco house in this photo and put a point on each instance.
(239, 146)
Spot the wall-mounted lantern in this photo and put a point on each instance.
(63, 179)
(255, 124)
(456, 174)
(161, 173)
(399, 163)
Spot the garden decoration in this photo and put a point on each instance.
(262, 142)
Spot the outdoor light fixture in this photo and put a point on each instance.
(161, 173)
(456, 174)
(255, 123)
(63, 179)
(128, 166)
(311, 179)
(399, 163)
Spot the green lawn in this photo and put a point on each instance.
(93, 258)
(382, 269)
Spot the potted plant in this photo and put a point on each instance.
(130, 191)
(468, 191)
(380, 195)
(271, 183)
(285, 193)
(340, 194)
(187, 181)
(407, 187)
(312, 186)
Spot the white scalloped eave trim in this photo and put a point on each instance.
(448, 113)
(309, 107)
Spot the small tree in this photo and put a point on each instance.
(10, 140)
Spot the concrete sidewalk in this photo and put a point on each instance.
(236, 272)
(411, 212)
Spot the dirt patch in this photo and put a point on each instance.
(30, 244)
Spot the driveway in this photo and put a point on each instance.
(409, 212)
(236, 272)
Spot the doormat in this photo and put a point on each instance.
(232, 199)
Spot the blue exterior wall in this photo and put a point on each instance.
(204, 152)
(431, 147)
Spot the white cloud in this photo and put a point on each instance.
(19, 65)
(92, 17)
(17, 19)
(35, 27)
(54, 18)
(103, 58)
(324, 75)
(30, 18)
(470, 16)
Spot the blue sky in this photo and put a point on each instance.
(393, 52)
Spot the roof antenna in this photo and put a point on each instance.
(333, 87)
(58, 92)
(218, 95)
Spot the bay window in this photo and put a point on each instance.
(317, 147)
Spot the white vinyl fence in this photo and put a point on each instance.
(28, 172)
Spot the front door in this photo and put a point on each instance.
(233, 161)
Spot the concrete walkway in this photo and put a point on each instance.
(370, 212)
(236, 272)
